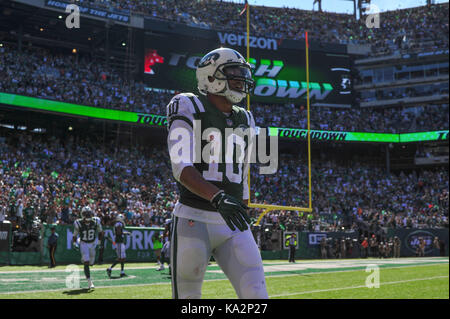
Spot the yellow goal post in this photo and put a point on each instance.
(267, 208)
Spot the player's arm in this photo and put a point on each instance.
(108, 238)
(180, 140)
(192, 179)
(76, 231)
(99, 229)
(246, 192)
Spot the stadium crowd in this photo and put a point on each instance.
(353, 196)
(384, 120)
(82, 80)
(51, 179)
(420, 28)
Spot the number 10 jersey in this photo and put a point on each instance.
(226, 165)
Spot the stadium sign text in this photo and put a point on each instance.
(267, 84)
(241, 40)
(442, 136)
(151, 119)
(95, 12)
(140, 240)
(316, 135)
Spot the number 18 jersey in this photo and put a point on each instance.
(88, 231)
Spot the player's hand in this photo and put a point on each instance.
(76, 246)
(233, 211)
(113, 245)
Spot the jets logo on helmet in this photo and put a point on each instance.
(225, 72)
(206, 60)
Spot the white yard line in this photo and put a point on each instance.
(63, 270)
(357, 287)
(96, 287)
(301, 264)
(52, 280)
(283, 295)
(209, 280)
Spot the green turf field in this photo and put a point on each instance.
(408, 278)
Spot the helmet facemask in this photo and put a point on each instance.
(238, 80)
(87, 219)
(87, 215)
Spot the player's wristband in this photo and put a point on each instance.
(215, 199)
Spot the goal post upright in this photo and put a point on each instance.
(267, 207)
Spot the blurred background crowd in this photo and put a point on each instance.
(51, 179)
(400, 30)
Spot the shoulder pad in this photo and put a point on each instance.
(248, 115)
(184, 105)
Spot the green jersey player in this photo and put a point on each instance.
(89, 228)
(119, 245)
(206, 150)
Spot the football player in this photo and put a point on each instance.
(89, 229)
(210, 217)
(119, 244)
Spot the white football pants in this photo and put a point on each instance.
(236, 253)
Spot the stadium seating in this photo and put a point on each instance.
(58, 176)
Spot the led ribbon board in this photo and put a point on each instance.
(333, 135)
(424, 136)
(81, 110)
(70, 109)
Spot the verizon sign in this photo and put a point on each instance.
(241, 40)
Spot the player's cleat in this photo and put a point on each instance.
(108, 272)
(91, 284)
(122, 274)
(161, 268)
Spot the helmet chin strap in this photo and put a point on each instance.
(233, 96)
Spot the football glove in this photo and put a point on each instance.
(233, 211)
(76, 246)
